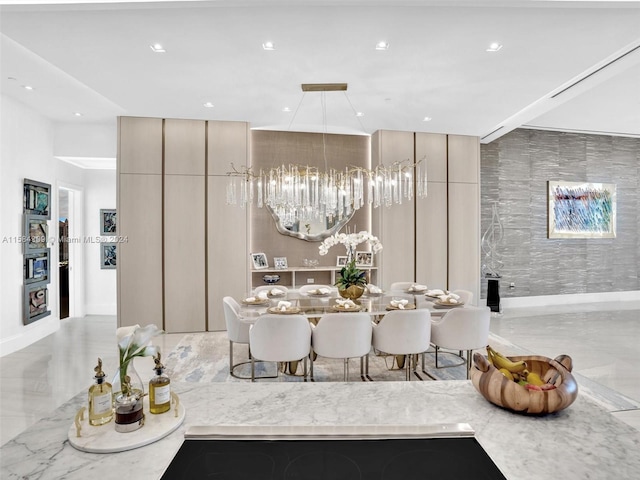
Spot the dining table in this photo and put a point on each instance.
(314, 305)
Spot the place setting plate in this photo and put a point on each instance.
(408, 306)
(441, 304)
(288, 311)
(255, 302)
(340, 308)
(313, 293)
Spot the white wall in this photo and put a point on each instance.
(27, 145)
(86, 140)
(100, 287)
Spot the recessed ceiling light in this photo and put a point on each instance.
(426, 119)
(77, 114)
(208, 105)
(286, 109)
(359, 114)
(382, 46)
(157, 48)
(494, 47)
(268, 46)
(27, 87)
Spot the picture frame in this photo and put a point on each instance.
(341, 261)
(108, 256)
(37, 198)
(581, 210)
(36, 302)
(36, 267)
(108, 222)
(260, 261)
(280, 263)
(36, 233)
(364, 259)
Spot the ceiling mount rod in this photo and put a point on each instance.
(324, 87)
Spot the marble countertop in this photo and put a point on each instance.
(583, 441)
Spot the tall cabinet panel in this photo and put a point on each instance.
(431, 212)
(139, 255)
(184, 253)
(464, 213)
(394, 225)
(184, 226)
(228, 234)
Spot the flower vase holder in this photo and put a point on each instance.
(105, 439)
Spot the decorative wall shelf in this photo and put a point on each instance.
(295, 277)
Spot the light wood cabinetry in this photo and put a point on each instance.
(183, 240)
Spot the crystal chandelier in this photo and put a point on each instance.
(306, 193)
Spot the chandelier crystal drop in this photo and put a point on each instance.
(296, 192)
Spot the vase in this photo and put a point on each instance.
(136, 384)
(351, 292)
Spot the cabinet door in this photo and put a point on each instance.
(227, 266)
(184, 253)
(184, 147)
(140, 256)
(139, 145)
(227, 143)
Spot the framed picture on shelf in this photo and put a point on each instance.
(36, 302)
(342, 261)
(37, 198)
(108, 225)
(36, 231)
(108, 258)
(364, 259)
(36, 266)
(259, 261)
(280, 262)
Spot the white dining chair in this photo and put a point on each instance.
(237, 332)
(400, 287)
(280, 338)
(403, 332)
(465, 296)
(342, 335)
(461, 328)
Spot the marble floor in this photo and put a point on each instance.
(601, 338)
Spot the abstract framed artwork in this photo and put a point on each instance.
(36, 302)
(36, 231)
(108, 224)
(36, 266)
(341, 261)
(108, 256)
(37, 198)
(581, 210)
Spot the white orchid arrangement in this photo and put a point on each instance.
(134, 341)
(350, 241)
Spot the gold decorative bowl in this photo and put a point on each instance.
(501, 391)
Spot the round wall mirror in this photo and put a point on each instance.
(311, 231)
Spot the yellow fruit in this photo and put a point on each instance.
(506, 373)
(534, 379)
(500, 361)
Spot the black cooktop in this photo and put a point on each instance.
(388, 459)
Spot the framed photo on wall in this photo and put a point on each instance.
(108, 256)
(37, 198)
(280, 262)
(36, 266)
(36, 302)
(108, 224)
(364, 259)
(342, 261)
(259, 261)
(36, 232)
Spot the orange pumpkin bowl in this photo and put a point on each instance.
(501, 391)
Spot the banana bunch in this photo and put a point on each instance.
(517, 371)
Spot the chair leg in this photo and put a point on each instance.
(437, 348)
(468, 362)
(346, 370)
(304, 369)
(232, 367)
(253, 369)
(311, 366)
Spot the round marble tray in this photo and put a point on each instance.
(105, 439)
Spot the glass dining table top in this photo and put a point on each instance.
(317, 305)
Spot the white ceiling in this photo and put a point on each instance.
(95, 58)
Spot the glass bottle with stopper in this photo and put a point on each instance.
(159, 389)
(100, 398)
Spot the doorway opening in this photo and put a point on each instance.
(63, 250)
